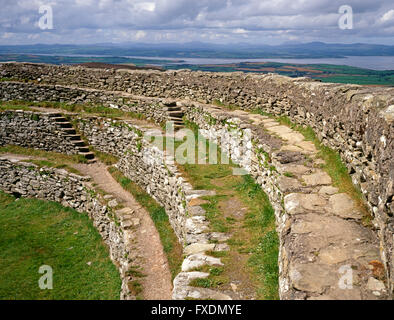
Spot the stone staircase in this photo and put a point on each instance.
(71, 134)
(175, 115)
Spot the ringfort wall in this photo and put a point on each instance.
(357, 121)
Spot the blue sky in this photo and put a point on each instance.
(216, 21)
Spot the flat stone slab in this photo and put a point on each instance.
(198, 248)
(206, 294)
(317, 179)
(296, 169)
(198, 260)
(292, 137)
(328, 190)
(312, 277)
(298, 203)
(293, 148)
(344, 206)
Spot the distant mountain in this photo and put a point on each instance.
(207, 50)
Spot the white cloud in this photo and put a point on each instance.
(240, 31)
(388, 16)
(146, 6)
(216, 20)
(140, 35)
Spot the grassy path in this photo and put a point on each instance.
(241, 208)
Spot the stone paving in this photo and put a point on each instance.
(331, 254)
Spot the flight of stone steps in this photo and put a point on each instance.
(71, 134)
(175, 115)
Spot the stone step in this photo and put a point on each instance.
(178, 126)
(83, 149)
(55, 115)
(60, 119)
(176, 121)
(80, 143)
(74, 137)
(87, 155)
(176, 113)
(91, 161)
(64, 124)
(70, 131)
(174, 108)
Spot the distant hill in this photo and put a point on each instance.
(206, 50)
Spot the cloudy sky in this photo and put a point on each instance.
(217, 21)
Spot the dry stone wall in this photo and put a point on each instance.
(319, 227)
(355, 120)
(143, 163)
(151, 109)
(155, 171)
(74, 191)
(34, 130)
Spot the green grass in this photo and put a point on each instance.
(35, 233)
(83, 109)
(11, 106)
(221, 104)
(106, 158)
(264, 247)
(46, 158)
(171, 245)
(254, 245)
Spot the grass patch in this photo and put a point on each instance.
(246, 262)
(4, 106)
(106, 158)
(35, 233)
(49, 159)
(172, 247)
(226, 106)
(89, 109)
(263, 245)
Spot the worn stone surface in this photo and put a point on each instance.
(319, 228)
(343, 206)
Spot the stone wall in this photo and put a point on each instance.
(151, 109)
(355, 120)
(143, 163)
(155, 171)
(34, 130)
(304, 202)
(74, 191)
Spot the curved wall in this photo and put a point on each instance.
(355, 120)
